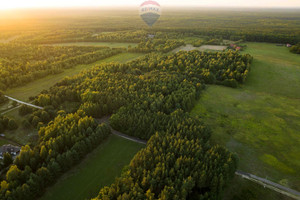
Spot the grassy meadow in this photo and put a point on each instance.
(260, 121)
(99, 169)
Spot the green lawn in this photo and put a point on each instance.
(276, 71)
(35, 87)
(99, 169)
(260, 121)
(107, 44)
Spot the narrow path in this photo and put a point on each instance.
(269, 184)
(9, 110)
(22, 102)
(128, 137)
(117, 133)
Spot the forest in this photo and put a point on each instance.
(61, 145)
(159, 93)
(21, 63)
(249, 25)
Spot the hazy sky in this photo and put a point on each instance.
(10, 4)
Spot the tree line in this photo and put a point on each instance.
(159, 45)
(21, 64)
(62, 144)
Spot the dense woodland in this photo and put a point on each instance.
(174, 166)
(21, 64)
(157, 90)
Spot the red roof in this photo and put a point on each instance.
(150, 2)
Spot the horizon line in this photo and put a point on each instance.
(124, 7)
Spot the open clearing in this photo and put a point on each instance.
(99, 169)
(189, 47)
(35, 87)
(107, 44)
(261, 120)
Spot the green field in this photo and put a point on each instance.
(242, 189)
(107, 44)
(260, 121)
(99, 169)
(35, 87)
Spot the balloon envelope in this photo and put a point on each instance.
(150, 12)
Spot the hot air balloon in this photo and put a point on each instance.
(150, 12)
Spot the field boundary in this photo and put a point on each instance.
(114, 132)
(269, 184)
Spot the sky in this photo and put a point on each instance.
(20, 4)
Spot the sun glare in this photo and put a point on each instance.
(20, 4)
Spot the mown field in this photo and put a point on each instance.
(190, 47)
(260, 121)
(106, 44)
(99, 169)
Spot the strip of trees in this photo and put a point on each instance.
(174, 166)
(159, 45)
(62, 144)
(21, 64)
